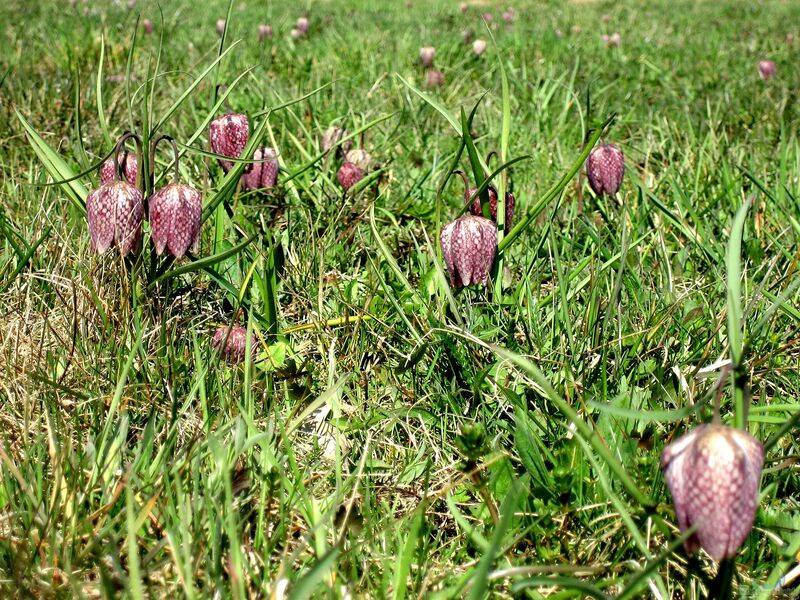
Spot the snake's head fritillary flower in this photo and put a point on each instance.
(264, 32)
(469, 245)
(508, 16)
(295, 34)
(147, 24)
(359, 157)
(129, 163)
(332, 136)
(228, 135)
(605, 168)
(348, 175)
(263, 174)
(766, 69)
(115, 213)
(302, 25)
(713, 473)
(426, 54)
(220, 26)
(175, 212)
(479, 47)
(231, 342)
(434, 78)
(463, 6)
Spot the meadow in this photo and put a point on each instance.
(388, 434)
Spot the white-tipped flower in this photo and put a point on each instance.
(479, 47)
(426, 54)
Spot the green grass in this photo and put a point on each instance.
(394, 437)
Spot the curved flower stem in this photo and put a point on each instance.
(119, 167)
(154, 145)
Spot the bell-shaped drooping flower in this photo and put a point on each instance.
(262, 174)
(348, 175)
(220, 26)
(434, 78)
(469, 245)
(115, 212)
(302, 25)
(605, 167)
(479, 47)
(508, 16)
(231, 342)
(713, 473)
(264, 32)
(766, 69)
(228, 135)
(426, 54)
(332, 136)
(147, 25)
(130, 166)
(175, 213)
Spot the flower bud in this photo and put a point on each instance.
(261, 175)
(228, 135)
(130, 164)
(478, 47)
(175, 212)
(426, 54)
(115, 213)
(605, 167)
(348, 175)
(713, 473)
(231, 342)
(264, 32)
(766, 69)
(469, 245)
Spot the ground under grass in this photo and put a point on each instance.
(393, 436)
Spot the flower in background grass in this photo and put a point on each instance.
(479, 47)
(713, 473)
(426, 54)
(220, 26)
(302, 25)
(262, 174)
(434, 78)
(228, 135)
(231, 342)
(469, 245)
(605, 168)
(295, 34)
(332, 136)
(147, 24)
(766, 69)
(264, 32)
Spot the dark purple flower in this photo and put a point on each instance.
(468, 246)
(605, 167)
(115, 213)
(130, 165)
(476, 209)
(228, 135)
(713, 473)
(348, 175)
(766, 69)
(231, 342)
(175, 212)
(261, 175)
